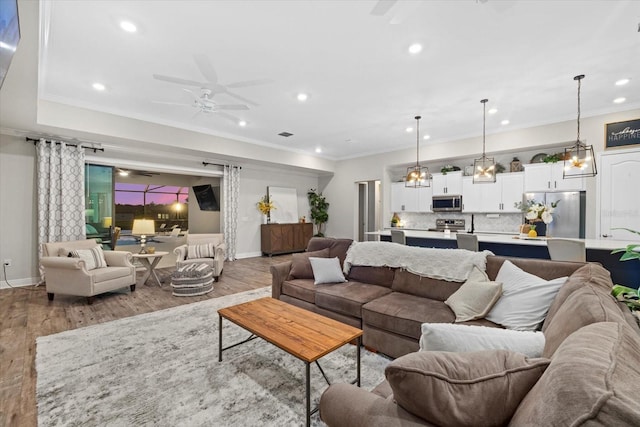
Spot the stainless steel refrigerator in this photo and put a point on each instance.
(569, 214)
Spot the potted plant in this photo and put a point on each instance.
(395, 220)
(630, 296)
(319, 207)
(538, 214)
(265, 206)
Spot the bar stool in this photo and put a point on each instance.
(467, 241)
(567, 250)
(397, 236)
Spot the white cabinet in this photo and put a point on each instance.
(540, 177)
(407, 199)
(451, 183)
(500, 196)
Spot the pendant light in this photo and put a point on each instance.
(579, 160)
(417, 176)
(484, 168)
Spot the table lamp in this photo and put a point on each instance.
(143, 228)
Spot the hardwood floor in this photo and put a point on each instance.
(25, 314)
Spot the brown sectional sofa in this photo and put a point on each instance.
(592, 343)
(389, 305)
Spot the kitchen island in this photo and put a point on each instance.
(598, 250)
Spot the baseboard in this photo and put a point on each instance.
(248, 255)
(18, 283)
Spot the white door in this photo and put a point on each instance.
(619, 178)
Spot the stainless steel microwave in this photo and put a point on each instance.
(448, 203)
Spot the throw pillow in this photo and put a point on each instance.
(300, 265)
(474, 300)
(461, 388)
(206, 250)
(93, 258)
(326, 270)
(525, 299)
(462, 338)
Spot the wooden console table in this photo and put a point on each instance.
(285, 238)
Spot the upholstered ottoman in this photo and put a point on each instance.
(192, 280)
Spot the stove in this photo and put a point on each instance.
(454, 225)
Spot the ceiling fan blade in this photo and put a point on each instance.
(232, 107)
(195, 97)
(228, 116)
(250, 83)
(240, 98)
(207, 70)
(179, 81)
(382, 7)
(171, 103)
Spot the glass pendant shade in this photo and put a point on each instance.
(484, 168)
(579, 160)
(417, 176)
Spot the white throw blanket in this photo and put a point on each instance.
(453, 265)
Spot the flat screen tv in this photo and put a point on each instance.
(207, 197)
(9, 35)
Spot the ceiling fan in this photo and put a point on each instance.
(204, 103)
(211, 81)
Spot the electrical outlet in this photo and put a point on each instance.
(7, 262)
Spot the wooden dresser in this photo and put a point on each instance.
(285, 238)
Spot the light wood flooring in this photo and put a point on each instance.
(25, 314)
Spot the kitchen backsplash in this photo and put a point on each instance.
(504, 222)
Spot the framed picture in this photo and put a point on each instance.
(620, 134)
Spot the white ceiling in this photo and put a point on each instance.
(364, 87)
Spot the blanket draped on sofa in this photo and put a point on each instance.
(453, 265)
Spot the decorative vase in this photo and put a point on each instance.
(541, 228)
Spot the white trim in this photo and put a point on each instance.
(151, 167)
(19, 283)
(248, 255)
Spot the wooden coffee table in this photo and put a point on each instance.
(149, 261)
(301, 333)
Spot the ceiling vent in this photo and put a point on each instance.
(285, 134)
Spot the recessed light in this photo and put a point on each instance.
(492, 110)
(242, 123)
(318, 150)
(426, 137)
(409, 129)
(622, 82)
(619, 100)
(302, 97)
(128, 26)
(99, 86)
(504, 122)
(415, 48)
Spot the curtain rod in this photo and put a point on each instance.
(219, 164)
(49, 141)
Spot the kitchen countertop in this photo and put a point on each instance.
(491, 237)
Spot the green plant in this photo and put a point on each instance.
(319, 207)
(632, 251)
(629, 296)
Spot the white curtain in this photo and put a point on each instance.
(60, 193)
(231, 183)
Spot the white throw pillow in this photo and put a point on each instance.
(206, 250)
(93, 258)
(474, 299)
(525, 298)
(326, 270)
(463, 338)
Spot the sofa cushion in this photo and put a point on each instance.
(542, 268)
(460, 389)
(109, 273)
(382, 276)
(300, 265)
(326, 270)
(474, 299)
(93, 257)
(203, 250)
(525, 298)
(582, 307)
(337, 247)
(458, 338)
(303, 289)
(426, 287)
(348, 298)
(592, 380)
(404, 314)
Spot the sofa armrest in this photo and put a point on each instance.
(221, 251)
(118, 258)
(181, 252)
(66, 263)
(346, 405)
(279, 273)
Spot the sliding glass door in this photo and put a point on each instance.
(99, 206)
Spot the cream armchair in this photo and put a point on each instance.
(216, 262)
(69, 276)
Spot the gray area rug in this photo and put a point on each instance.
(162, 369)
